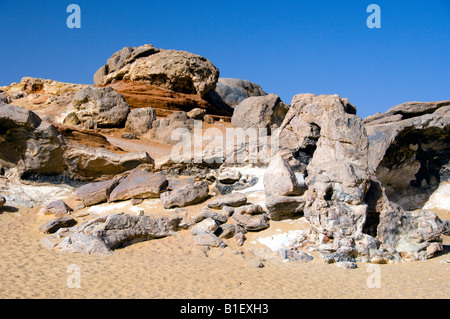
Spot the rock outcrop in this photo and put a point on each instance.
(37, 149)
(179, 71)
(409, 149)
(333, 144)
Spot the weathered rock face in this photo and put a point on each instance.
(186, 195)
(179, 71)
(36, 148)
(279, 179)
(234, 91)
(139, 121)
(97, 192)
(259, 112)
(325, 134)
(233, 200)
(139, 184)
(102, 235)
(251, 217)
(409, 147)
(163, 128)
(104, 106)
(29, 143)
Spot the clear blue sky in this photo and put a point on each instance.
(288, 47)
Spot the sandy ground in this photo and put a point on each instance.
(174, 267)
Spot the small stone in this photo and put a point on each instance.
(55, 224)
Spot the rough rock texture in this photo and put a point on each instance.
(208, 239)
(104, 234)
(234, 91)
(259, 112)
(38, 150)
(97, 192)
(205, 213)
(233, 200)
(207, 225)
(104, 106)
(164, 101)
(251, 217)
(282, 207)
(55, 224)
(139, 121)
(139, 184)
(184, 196)
(57, 208)
(409, 147)
(326, 131)
(163, 128)
(29, 143)
(280, 180)
(179, 71)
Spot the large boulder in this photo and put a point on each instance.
(28, 143)
(179, 71)
(104, 106)
(409, 147)
(327, 131)
(97, 192)
(259, 112)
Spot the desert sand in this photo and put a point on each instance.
(174, 267)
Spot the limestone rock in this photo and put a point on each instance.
(97, 192)
(280, 180)
(103, 234)
(139, 184)
(139, 121)
(326, 134)
(104, 106)
(282, 207)
(208, 239)
(56, 223)
(179, 71)
(233, 200)
(163, 128)
(251, 217)
(57, 208)
(259, 112)
(409, 149)
(234, 91)
(207, 225)
(184, 196)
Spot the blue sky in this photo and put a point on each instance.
(288, 47)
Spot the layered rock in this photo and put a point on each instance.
(233, 91)
(179, 71)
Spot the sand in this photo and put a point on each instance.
(174, 267)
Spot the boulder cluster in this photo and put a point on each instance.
(362, 184)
